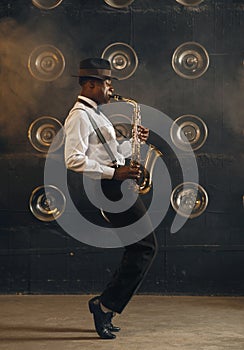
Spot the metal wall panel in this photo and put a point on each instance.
(206, 255)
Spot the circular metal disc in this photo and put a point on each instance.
(118, 3)
(189, 129)
(47, 203)
(189, 2)
(189, 199)
(46, 4)
(46, 63)
(123, 59)
(42, 133)
(122, 126)
(190, 60)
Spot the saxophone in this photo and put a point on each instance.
(144, 184)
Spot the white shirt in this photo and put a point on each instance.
(84, 153)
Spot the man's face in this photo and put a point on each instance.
(103, 91)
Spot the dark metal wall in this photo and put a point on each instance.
(207, 255)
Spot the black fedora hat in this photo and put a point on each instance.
(95, 68)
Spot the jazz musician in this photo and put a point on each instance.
(85, 154)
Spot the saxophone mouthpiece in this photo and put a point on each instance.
(117, 97)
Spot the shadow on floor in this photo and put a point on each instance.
(32, 330)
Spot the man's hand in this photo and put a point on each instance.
(127, 172)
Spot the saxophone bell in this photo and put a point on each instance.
(145, 184)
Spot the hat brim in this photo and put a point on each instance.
(104, 77)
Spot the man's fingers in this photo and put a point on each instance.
(128, 172)
(135, 172)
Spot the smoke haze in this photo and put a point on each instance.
(23, 98)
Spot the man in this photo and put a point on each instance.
(85, 154)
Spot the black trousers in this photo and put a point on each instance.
(137, 257)
(128, 277)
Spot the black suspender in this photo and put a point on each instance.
(100, 137)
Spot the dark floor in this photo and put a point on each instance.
(148, 323)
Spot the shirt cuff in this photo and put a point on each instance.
(108, 172)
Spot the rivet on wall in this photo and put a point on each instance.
(190, 60)
(44, 132)
(189, 130)
(46, 63)
(189, 199)
(119, 3)
(47, 203)
(123, 59)
(46, 4)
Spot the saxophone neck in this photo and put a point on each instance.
(125, 99)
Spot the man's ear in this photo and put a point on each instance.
(91, 84)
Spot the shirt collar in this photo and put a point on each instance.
(89, 101)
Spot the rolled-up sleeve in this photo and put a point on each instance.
(125, 148)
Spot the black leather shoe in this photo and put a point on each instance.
(110, 326)
(100, 319)
(109, 316)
